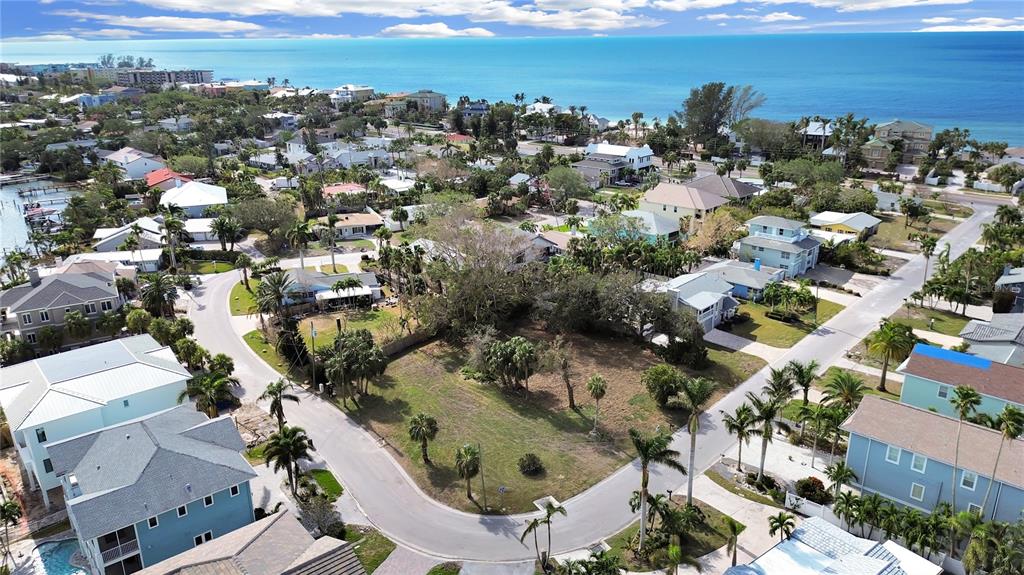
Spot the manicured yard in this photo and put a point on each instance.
(698, 542)
(242, 300)
(383, 323)
(369, 545)
(949, 208)
(263, 348)
(946, 322)
(327, 482)
(326, 268)
(893, 235)
(357, 245)
(791, 410)
(763, 329)
(209, 267)
(870, 381)
(508, 425)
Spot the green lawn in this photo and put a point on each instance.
(893, 235)
(259, 344)
(698, 542)
(326, 268)
(870, 381)
(327, 482)
(449, 568)
(209, 267)
(370, 546)
(791, 410)
(772, 332)
(382, 323)
(357, 244)
(241, 299)
(949, 208)
(946, 322)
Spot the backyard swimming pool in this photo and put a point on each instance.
(54, 558)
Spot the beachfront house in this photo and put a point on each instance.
(350, 94)
(638, 159)
(748, 279)
(1012, 281)
(779, 243)
(195, 198)
(65, 395)
(858, 224)
(142, 491)
(681, 201)
(134, 164)
(916, 137)
(931, 374)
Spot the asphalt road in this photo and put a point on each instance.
(394, 504)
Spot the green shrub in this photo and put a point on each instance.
(812, 489)
(530, 465)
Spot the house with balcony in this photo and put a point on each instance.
(678, 201)
(748, 279)
(779, 243)
(638, 159)
(80, 391)
(705, 294)
(44, 300)
(876, 153)
(1000, 339)
(142, 491)
(1012, 281)
(427, 100)
(600, 170)
(931, 374)
(916, 137)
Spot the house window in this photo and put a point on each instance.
(125, 403)
(154, 521)
(760, 248)
(974, 508)
(30, 337)
(208, 501)
(41, 435)
(234, 490)
(182, 511)
(892, 454)
(917, 492)
(203, 538)
(918, 463)
(943, 392)
(26, 319)
(782, 232)
(47, 465)
(785, 255)
(106, 305)
(969, 480)
(90, 308)
(44, 316)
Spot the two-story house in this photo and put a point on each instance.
(134, 164)
(931, 374)
(999, 339)
(195, 198)
(145, 490)
(43, 301)
(916, 137)
(60, 396)
(728, 188)
(638, 159)
(428, 101)
(148, 232)
(876, 153)
(681, 201)
(707, 295)
(180, 124)
(779, 243)
(1012, 281)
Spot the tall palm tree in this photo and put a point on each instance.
(277, 393)
(597, 387)
(423, 428)
(298, 237)
(550, 510)
(844, 389)
(208, 390)
(383, 234)
(652, 450)
(965, 400)
(814, 415)
(285, 449)
(158, 294)
(780, 385)
(1011, 426)
(766, 410)
(742, 425)
(928, 245)
(782, 523)
(173, 228)
(244, 263)
(839, 473)
(10, 514)
(328, 236)
(733, 529)
(803, 375)
(892, 341)
(695, 395)
(533, 526)
(467, 465)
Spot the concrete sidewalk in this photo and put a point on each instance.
(737, 343)
(946, 341)
(846, 363)
(403, 561)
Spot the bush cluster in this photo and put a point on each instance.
(811, 488)
(531, 465)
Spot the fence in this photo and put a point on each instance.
(403, 343)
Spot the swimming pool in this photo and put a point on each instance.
(55, 558)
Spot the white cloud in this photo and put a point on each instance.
(773, 17)
(979, 25)
(866, 5)
(164, 23)
(43, 38)
(110, 33)
(435, 30)
(683, 5)
(781, 17)
(617, 5)
(715, 17)
(938, 20)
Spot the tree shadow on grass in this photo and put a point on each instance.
(377, 409)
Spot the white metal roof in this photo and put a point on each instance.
(195, 194)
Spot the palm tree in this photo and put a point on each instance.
(780, 385)
(298, 237)
(803, 375)
(782, 523)
(131, 243)
(273, 292)
(694, 394)
(892, 341)
(765, 413)
(846, 506)
(158, 294)
(814, 415)
(77, 325)
(277, 393)
(208, 390)
(928, 245)
(845, 389)
(423, 428)
(733, 529)
(533, 526)
(550, 510)
(328, 236)
(383, 234)
(244, 263)
(285, 449)
(467, 465)
(225, 228)
(965, 400)
(1011, 426)
(741, 424)
(650, 450)
(10, 514)
(597, 387)
(173, 228)
(839, 473)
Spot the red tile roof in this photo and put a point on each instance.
(156, 177)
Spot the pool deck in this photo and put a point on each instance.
(28, 564)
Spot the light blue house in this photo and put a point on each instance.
(748, 279)
(65, 395)
(779, 243)
(705, 294)
(1012, 280)
(317, 287)
(906, 453)
(655, 227)
(931, 374)
(999, 339)
(145, 490)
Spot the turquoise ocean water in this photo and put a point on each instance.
(973, 80)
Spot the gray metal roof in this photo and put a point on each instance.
(132, 471)
(743, 273)
(803, 245)
(1011, 276)
(776, 222)
(1004, 327)
(723, 186)
(308, 277)
(56, 291)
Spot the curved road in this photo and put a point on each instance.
(393, 502)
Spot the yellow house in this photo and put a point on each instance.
(858, 223)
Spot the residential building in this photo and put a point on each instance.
(428, 101)
(681, 201)
(144, 260)
(708, 296)
(475, 109)
(179, 124)
(748, 279)
(201, 230)
(142, 491)
(135, 164)
(779, 243)
(274, 545)
(915, 135)
(876, 153)
(599, 170)
(195, 198)
(560, 241)
(636, 158)
(312, 286)
(931, 374)
(537, 248)
(1000, 339)
(43, 301)
(907, 453)
(108, 95)
(165, 179)
(654, 226)
(886, 201)
(817, 546)
(543, 108)
(350, 94)
(1012, 280)
(816, 132)
(858, 224)
(357, 223)
(79, 391)
(721, 186)
(156, 78)
(148, 232)
(285, 120)
(343, 189)
(84, 144)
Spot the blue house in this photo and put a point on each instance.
(317, 287)
(906, 453)
(1013, 280)
(779, 243)
(655, 227)
(148, 489)
(748, 279)
(931, 374)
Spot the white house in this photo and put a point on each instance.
(286, 120)
(195, 197)
(150, 235)
(707, 295)
(544, 109)
(350, 93)
(134, 163)
(144, 260)
(636, 158)
(83, 390)
(176, 124)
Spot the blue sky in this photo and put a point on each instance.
(50, 20)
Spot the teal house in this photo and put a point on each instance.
(779, 243)
(931, 374)
(145, 490)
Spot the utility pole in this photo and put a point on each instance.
(312, 356)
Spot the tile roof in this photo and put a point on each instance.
(162, 175)
(275, 545)
(131, 471)
(723, 186)
(683, 196)
(955, 368)
(1003, 327)
(930, 434)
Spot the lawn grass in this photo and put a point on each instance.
(893, 235)
(731, 487)
(700, 541)
(791, 410)
(870, 382)
(946, 322)
(255, 454)
(209, 267)
(450, 568)
(763, 329)
(382, 323)
(263, 348)
(949, 208)
(327, 482)
(242, 301)
(357, 245)
(370, 546)
(326, 268)
(51, 529)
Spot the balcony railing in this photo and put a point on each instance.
(115, 553)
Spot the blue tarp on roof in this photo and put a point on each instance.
(951, 356)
